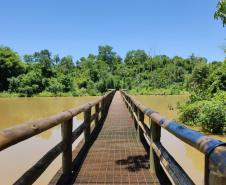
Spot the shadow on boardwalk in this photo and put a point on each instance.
(134, 163)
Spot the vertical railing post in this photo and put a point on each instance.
(215, 166)
(66, 132)
(107, 102)
(155, 137)
(206, 170)
(130, 109)
(135, 121)
(87, 118)
(133, 111)
(103, 108)
(127, 103)
(139, 129)
(97, 109)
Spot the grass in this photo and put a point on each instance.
(8, 95)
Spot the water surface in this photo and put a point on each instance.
(19, 158)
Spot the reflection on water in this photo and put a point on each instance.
(19, 158)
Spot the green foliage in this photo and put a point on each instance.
(221, 11)
(93, 75)
(190, 113)
(26, 84)
(55, 86)
(206, 106)
(199, 77)
(213, 117)
(209, 113)
(174, 89)
(10, 65)
(5, 94)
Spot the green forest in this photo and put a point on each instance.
(44, 74)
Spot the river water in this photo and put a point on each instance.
(190, 159)
(17, 159)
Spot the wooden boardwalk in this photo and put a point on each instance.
(117, 156)
(111, 152)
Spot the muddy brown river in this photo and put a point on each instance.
(18, 158)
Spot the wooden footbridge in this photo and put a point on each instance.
(119, 147)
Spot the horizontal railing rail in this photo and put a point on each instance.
(214, 150)
(11, 136)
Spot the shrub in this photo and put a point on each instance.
(189, 113)
(213, 117)
(209, 114)
(55, 86)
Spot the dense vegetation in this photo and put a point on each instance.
(44, 75)
(206, 106)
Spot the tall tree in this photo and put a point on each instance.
(66, 64)
(106, 54)
(10, 65)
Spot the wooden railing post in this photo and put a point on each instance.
(130, 108)
(97, 109)
(135, 121)
(215, 163)
(155, 137)
(66, 131)
(87, 118)
(103, 108)
(140, 116)
(133, 111)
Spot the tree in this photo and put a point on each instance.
(55, 86)
(27, 84)
(221, 11)
(135, 57)
(66, 65)
(106, 54)
(44, 62)
(217, 79)
(199, 77)
(10, 65)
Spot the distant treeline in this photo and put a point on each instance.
(44, 74)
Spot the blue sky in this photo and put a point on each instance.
(78, 27)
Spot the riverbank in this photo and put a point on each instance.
(45, 94)
(79, 94)
(160, 91)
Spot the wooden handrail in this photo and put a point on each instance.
(11, 136)
(214, 150)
